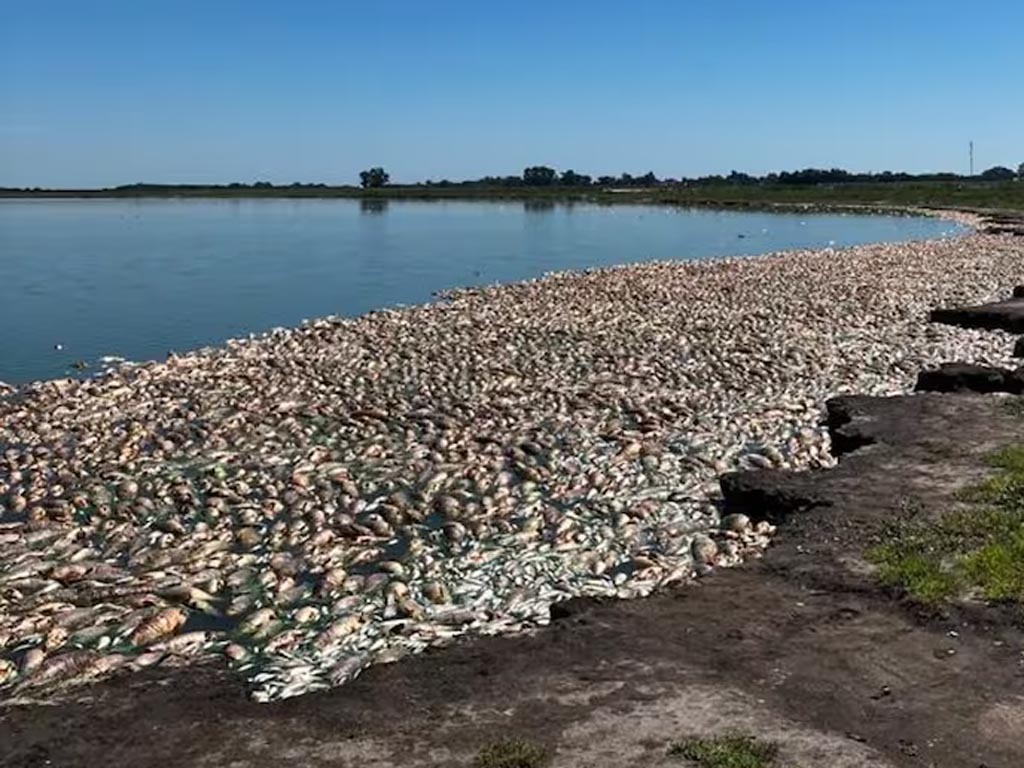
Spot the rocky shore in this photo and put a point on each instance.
(305, 504)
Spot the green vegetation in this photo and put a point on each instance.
(995, 189)
(977, 550)
(732, 751)
(374, 178)
(511, 753)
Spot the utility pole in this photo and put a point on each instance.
(971, 151)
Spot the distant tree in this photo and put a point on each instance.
(648, 179)
(572, 179)
(814, 176)
(263, 185)
(998, 173)
(539, 176)
(375, 177)
(605, 181)
(1020, 171)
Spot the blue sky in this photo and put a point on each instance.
(109, 92)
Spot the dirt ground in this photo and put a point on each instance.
(802, 647)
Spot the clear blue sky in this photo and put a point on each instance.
(117, 91)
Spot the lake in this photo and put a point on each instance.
(84, 279)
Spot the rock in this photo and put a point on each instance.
(1018, 348)
(777, 494)
(1003, 315)
(846, 419)
(963, 377)
(1017, 231)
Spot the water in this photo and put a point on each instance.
(138, 278)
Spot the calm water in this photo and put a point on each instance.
(140, 277)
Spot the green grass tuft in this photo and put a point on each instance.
(511, 753)
(732, 751)
(977, 550)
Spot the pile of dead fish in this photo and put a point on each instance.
(309, 502)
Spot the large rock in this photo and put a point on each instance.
(771, 495)
(1001, 315)
(964, 377)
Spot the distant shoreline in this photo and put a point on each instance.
(853, 197)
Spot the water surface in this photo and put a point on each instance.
(139, 278)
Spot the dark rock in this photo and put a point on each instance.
(844, 421)
(559, 611)
(1018, 292)
(773, 495)
(1018, 348)
(1004, 315)
(1002, 230)
(575, 609)
(1005, 218)
(964, 377)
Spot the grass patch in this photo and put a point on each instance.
(732, 751)
(979, 550)
(511, 753)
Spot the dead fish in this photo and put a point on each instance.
(164, 623)
(332, 579)
(436, 592)
(285, 640)
(55, 638)
(339, 630)
(256, 620)
(62, 666)
(7, 671)
(185, 644)
(67, 574)
(409, 609)
(704, 550)
(33, 658)
(148, 659)
(347, 669)
(306, 614)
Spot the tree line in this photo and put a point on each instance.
(545, 176)
(540, 176)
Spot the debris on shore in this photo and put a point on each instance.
(309, 502)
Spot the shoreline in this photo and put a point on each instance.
(578, 421)
(604, 197)
(969, 221)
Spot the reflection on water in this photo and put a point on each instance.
(86, 278)
(538, 206)
(372, 205)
